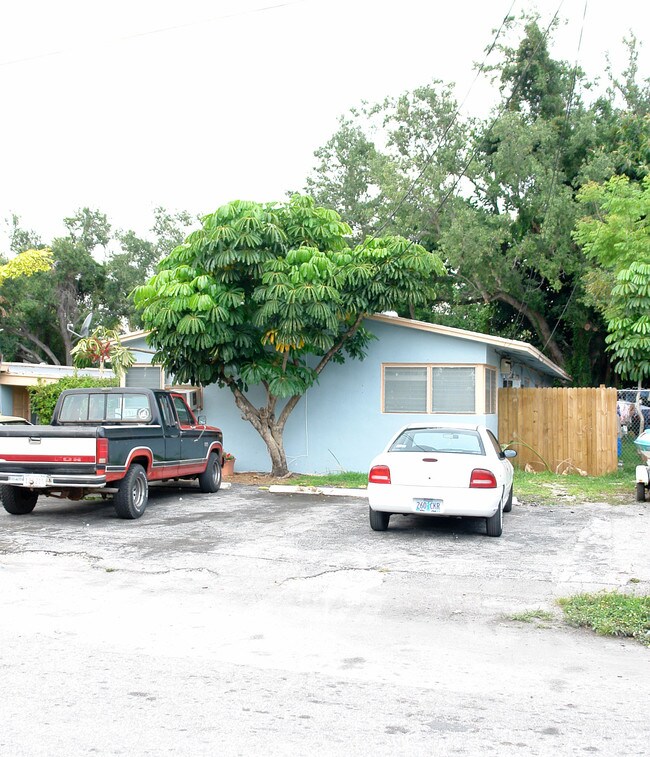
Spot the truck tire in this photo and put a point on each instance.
(132, 497)
(210, 479)
(16, 500)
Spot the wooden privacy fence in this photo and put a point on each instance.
(566, 429)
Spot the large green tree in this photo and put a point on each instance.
(497, 197)
(268, 295)
(93, 271)
(617, 237)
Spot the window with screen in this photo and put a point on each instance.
(453, 390)
(405, 389)
(445, 389)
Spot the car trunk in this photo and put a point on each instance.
(433, 469)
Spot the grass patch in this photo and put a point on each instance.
(530, 615)
(345, 480)
(552, 489)
(610, 614)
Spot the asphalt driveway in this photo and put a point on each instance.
(246, 622)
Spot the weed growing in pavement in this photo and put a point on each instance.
(530, 615)
(610, 614)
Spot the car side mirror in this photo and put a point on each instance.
(510, 453)
(203, 421)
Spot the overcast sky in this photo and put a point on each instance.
(130, 104)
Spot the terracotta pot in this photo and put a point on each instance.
(228, 467)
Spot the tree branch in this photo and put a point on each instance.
(41, 345)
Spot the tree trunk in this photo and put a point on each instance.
(538, 322)
(263, 419)
(267, 426)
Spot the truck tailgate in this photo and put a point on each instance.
(47, 450)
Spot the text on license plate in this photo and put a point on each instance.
(36, 481)
(428, 505)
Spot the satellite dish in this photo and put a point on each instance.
(85, 326)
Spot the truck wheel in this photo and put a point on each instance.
(18, 501)
(640, 491)
(210, 479)
(132, 496)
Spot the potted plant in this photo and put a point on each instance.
(228, 464)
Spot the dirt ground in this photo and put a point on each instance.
(257, 479)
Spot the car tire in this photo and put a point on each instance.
(378, 519)
(640, 491)
(494, 524)
(18, 501)
(508, 505)
(210, 479)
(132, 496)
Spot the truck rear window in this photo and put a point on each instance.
(108, 408)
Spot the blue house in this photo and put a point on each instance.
(414, 371)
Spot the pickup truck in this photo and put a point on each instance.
(107, 439)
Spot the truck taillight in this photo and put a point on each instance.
(482, 479)
(101, 454)
(380, 474)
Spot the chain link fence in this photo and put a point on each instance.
(633, 411)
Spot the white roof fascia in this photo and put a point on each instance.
(498, 342)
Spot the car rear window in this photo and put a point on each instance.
(461, 441)
(105, 408)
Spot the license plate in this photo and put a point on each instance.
(36, 481)
(428, 505)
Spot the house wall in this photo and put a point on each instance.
(339, 423)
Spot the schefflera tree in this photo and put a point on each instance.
(269, 294)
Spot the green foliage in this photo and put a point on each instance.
(260, 288)
(345, 480)
(617, 238)
(610, 614)
(43, 396)
(35, 311)
(103, 346)
(269, 294)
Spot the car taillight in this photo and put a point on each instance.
(101, 453)
(380, 474)
(482, 479)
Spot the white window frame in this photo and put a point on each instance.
(491, 406)
(480, 407)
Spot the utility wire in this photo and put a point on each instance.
(162, 30)
(431, 156)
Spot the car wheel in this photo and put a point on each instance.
(494, 524)
(640, 491)
(508, 505)
(210, 479)
(18, 501)
(378, 520)
(133, 494)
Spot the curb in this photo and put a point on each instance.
(328, 491)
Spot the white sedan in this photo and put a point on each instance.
(441, 469)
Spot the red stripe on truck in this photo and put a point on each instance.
(47, 458)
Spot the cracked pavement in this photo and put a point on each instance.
(248, 622)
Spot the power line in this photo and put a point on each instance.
(430, 156)
(161, 30)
